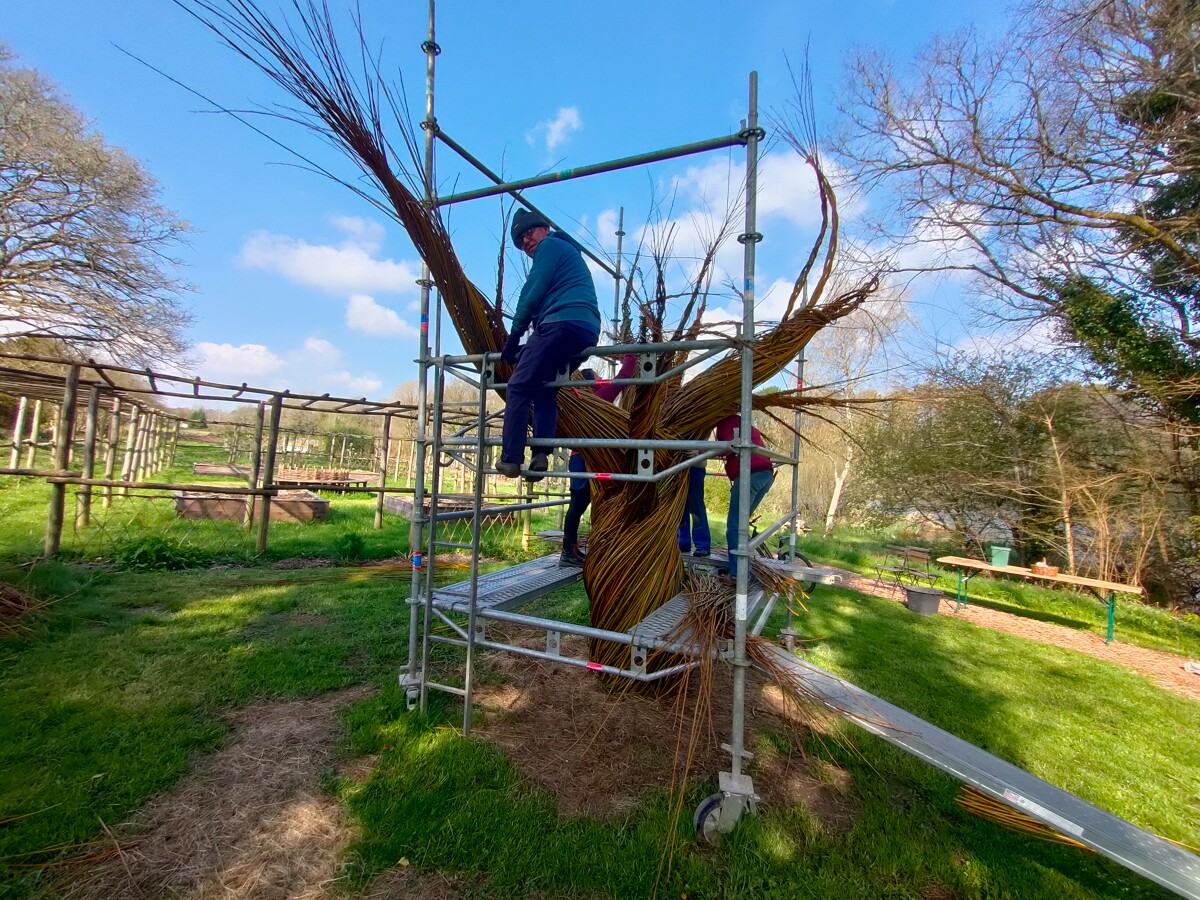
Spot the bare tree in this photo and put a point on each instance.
(84, 244)
(1027, 160)
(844, 357)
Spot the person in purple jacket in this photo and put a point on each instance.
(581, 488)
(559, 300)
(762, 476)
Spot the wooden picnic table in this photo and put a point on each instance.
(968, 568)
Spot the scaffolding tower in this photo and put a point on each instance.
(463, 611)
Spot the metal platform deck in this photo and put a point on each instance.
(508, 588)
(1140, 851)
(809, 574)
(660, 629)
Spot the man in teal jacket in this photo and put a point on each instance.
(559, 300)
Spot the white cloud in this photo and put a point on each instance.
(322, 350)
(235, 365)
(363, 232)
(347, 267)
(557, 131)
(365, 315)
(313, 367)
(787, 188)
(367, 385)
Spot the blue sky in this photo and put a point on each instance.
(301, 284)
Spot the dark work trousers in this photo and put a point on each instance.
(551, 347)
(694, 527)
(581, 499)
(760, 483)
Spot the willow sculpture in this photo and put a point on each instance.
(633, 564)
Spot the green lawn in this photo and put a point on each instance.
(1136, 623)
(129, 520)
(128, 674)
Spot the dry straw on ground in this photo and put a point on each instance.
(252, 821)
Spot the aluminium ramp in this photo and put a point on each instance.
(1140, 851)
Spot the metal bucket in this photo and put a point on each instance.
(922, 600)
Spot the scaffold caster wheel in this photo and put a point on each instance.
(707, 819)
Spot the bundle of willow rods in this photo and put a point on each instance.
(633, 565)
(977, 802)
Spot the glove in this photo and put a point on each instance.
(512, 349)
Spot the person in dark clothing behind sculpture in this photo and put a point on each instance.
(559, 300)
(762, 476)
(693, 530)
(581, 488)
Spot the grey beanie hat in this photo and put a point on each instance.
(522, 222)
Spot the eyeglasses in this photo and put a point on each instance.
(526, 236)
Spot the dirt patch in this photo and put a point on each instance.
(405, 884)
(303, 562)
(1164, 669)
(252, 820)
(601, 751)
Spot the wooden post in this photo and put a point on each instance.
(139, 447)
(160, 443)
(110, 448)
(146, 454)
(83, 508)
(255, 465)
(342, 455)
(264, 515)
(127, 460)
(233, 446)
(18, 433)
(163, 442)
(62, 457)
(174, 444)
(33, 433)
(383, 466)
(55, 417)
(148, 447)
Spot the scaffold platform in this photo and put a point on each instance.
(508, 588)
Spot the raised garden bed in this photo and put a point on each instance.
(287, 506)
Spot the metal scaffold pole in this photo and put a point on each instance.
(736, 785)
(412, 680)
(473, 594)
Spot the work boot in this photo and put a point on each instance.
(700, 554)
(570, 558)
(539, 463)
(508, 469)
